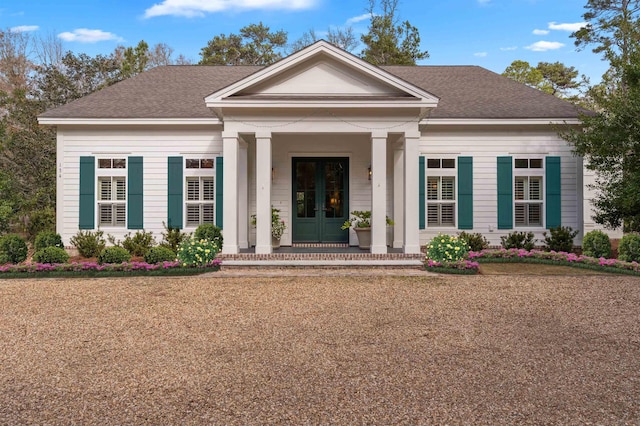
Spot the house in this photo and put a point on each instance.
(317, 135)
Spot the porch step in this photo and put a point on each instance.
(322, 260)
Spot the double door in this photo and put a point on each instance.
(320, 200)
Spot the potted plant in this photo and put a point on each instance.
(277, 226)
(360, 221)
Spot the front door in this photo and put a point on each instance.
(320, 200)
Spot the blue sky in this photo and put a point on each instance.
(489, 33)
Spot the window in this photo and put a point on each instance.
(441, 205)
(112, 192)
(528, 192)
(200, 191)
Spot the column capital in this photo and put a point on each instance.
(263, 134)
(379, 134)
(230, 135)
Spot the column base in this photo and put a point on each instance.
(411, 249)
(229, 249)
(378, 249)
(264, 249)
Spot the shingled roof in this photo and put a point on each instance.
(465, 92)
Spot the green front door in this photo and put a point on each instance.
(320, 199)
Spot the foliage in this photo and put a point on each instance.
(208, 231)
(475, 241)
(8, 201)
(135, 60)
(13, 249)
(197, 252)
(389, 42)
(255, 45)
(518, 240)
(114, 254)
(43, 220)
(361, 219)
(159, 254)
(51, 254)
(554, 78)
(596, 244)
(560, 238)
(88, 243)
(173, 237)
(557, 258)
(462, 267)
(47, 239)
(629, 248)
(445, 248)
(609, 141)
(138, 244)
(278, 225)
(345, 39)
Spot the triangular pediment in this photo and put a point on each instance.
(322, 75)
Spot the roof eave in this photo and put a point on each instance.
(56, 121)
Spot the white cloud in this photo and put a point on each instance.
(543, 46)
(480, 54)
(84, 35)
(507, 49)
(24, 28)
(358, 18)
(193, 8)
(540, 32)
(567, 27)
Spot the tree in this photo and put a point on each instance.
(15, 65)
(345, 39)
(609, 139)
(134, 60)
(523, 72)
(255, 45)
(390, 42)
(554, 78)
(613, 27)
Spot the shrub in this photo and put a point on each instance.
(159, 254)
(210, 232)
(518, 240)
(475, 241)
(629, 248)
(194, 252)
(47, 239)
(560, 239)
(114, 254)
(13, 249)
(445, 248)
(51, 254)
(596, 244)
(39, 221)
(138, 244)
(89, 244)
(173, 237)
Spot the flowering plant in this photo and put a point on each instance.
(194, 252)
(458, 267)
(445, 248)
(277, 224)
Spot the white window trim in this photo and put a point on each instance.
(101, 173)
(528, 172)
(441, 172)
(197, 173)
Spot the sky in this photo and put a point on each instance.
(488, 33)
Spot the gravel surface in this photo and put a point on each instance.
(321, 350)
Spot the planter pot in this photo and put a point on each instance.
(275, 242)
(364, 238)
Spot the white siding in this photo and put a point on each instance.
(485, 146)
(154, 145)
(589, 212)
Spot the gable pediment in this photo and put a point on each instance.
(321, 75)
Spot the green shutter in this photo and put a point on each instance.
(87, 192)
(135, 178)
(175, 184)
(465, 192)
(553, 201)
(421, 193)
(505, 193)
(219, 190)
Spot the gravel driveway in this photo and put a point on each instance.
(321, 350)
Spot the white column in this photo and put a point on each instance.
(230, 151)
(243, 197)
(379, 192)
(398, 196)
(411, 223)
(263, 193)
